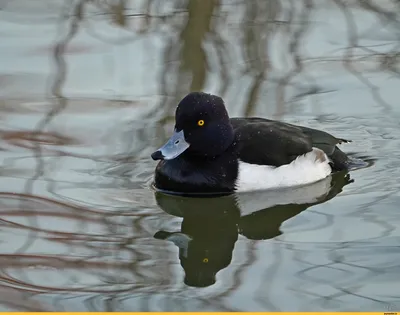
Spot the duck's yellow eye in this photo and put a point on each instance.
(200, 122)
(205, 260)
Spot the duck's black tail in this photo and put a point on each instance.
(340, 161)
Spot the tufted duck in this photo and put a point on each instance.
(212, 153)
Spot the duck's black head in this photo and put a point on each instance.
(202, 128)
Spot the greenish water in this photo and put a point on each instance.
(88, 91)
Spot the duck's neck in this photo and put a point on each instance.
(228, 148)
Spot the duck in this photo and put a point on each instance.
(212, 153)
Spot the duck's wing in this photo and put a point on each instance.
(323, 140)
(268, 142)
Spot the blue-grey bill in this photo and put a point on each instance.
(175, 146)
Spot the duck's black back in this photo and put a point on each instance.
(269, 142)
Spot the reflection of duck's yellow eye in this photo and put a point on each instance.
(200, 122)
(205, 260)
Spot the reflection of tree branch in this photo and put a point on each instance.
(348, 60)
(257, 39)
(57, 108)
(119, 17)
(161, 112)
(16, 298)
(222, 52)
(193, 61)
(193, 55)
(296, 37)
(390, 17)
(117, 246)
(103, 245)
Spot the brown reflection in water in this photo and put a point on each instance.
(17, 299)
(27, 140)
(92, 243)
(196, 43)
(349, 57)
(59, 104)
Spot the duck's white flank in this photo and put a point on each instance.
(306, 169)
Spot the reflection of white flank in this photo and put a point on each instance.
(250, 202)
(305, 169)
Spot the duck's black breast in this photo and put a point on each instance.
(190, 175)
(269, 142)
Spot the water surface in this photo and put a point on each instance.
(88, 91)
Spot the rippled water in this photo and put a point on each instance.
(88, 91)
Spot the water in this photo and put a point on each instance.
(88, 91)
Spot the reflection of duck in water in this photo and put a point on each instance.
(207, 237)
(210, 226)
